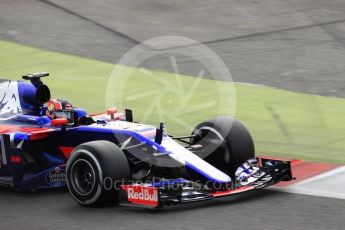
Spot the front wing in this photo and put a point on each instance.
(180, 191)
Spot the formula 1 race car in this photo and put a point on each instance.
(106, 159)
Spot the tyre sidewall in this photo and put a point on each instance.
(97, 189)
(110, 165)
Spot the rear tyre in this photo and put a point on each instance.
(227, 142)
(94, 172)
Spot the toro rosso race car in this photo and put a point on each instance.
(106, 159)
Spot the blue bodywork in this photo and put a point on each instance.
(34, 153)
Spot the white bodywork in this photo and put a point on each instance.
(9, 98)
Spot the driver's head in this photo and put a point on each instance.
(59, 108)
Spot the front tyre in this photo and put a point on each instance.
(94, 172)
(227, 142)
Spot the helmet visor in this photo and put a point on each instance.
(68, 114)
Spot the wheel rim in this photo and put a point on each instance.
(83, 177)
(210, 133)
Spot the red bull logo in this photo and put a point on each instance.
(142, 195)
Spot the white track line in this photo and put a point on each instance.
(311, 192)
(339, 170)
(328, 184)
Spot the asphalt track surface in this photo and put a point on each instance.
(291, 44)
(260, 210)
(300, 47)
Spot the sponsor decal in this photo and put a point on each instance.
(141, 195)
(56, 177)
(16, 159)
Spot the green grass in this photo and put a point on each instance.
(283, 123)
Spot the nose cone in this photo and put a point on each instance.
(192, 161)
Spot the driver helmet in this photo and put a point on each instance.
(59, 108)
